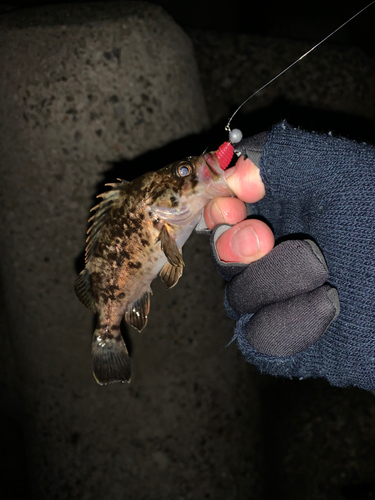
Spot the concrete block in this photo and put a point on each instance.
(84, 85)
(96, 81)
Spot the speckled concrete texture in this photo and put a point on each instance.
(96, 81)
(83, 88)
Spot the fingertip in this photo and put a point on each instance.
(207, 215)
(224, 211)
(245, 242)
(245, 181)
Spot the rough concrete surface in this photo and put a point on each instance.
(97, 81)
(85, 87)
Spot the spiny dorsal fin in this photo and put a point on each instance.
(101, 211)
(137, 313)
(83, 290)
(170, 248)
(170, 274)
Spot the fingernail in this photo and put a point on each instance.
(229, 172)
(216, 214)
(245, 242)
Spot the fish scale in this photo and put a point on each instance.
(137, 232)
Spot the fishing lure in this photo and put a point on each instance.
(225, 151)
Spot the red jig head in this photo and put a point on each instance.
(225, 152)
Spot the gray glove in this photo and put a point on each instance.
(285, 291)
(319, 189)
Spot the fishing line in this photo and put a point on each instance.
(236, 133)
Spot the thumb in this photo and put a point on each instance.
(245, 181)
(246, 242)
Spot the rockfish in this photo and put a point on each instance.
(136, 233)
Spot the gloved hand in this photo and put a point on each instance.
(320, 196)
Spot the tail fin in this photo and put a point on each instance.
(110, 359)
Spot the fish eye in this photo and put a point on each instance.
(184, 169)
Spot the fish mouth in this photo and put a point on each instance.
(213, 171)
(212, 176)
(211, 162)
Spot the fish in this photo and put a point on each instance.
(137, 232)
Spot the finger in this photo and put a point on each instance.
(245, 181)
(294, 267)
(224, 211)
(288, 327)
(245, 242)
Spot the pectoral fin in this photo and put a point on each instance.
(170, 274)
(169, 247)
(137, 313)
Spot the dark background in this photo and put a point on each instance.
(290, 401)
(290, 18)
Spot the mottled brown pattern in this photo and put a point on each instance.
(135, 265)
(124, 253)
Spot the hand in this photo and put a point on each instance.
(248, 240)
(304, 308)
(287, 287)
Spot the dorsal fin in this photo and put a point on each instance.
(101, 211)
